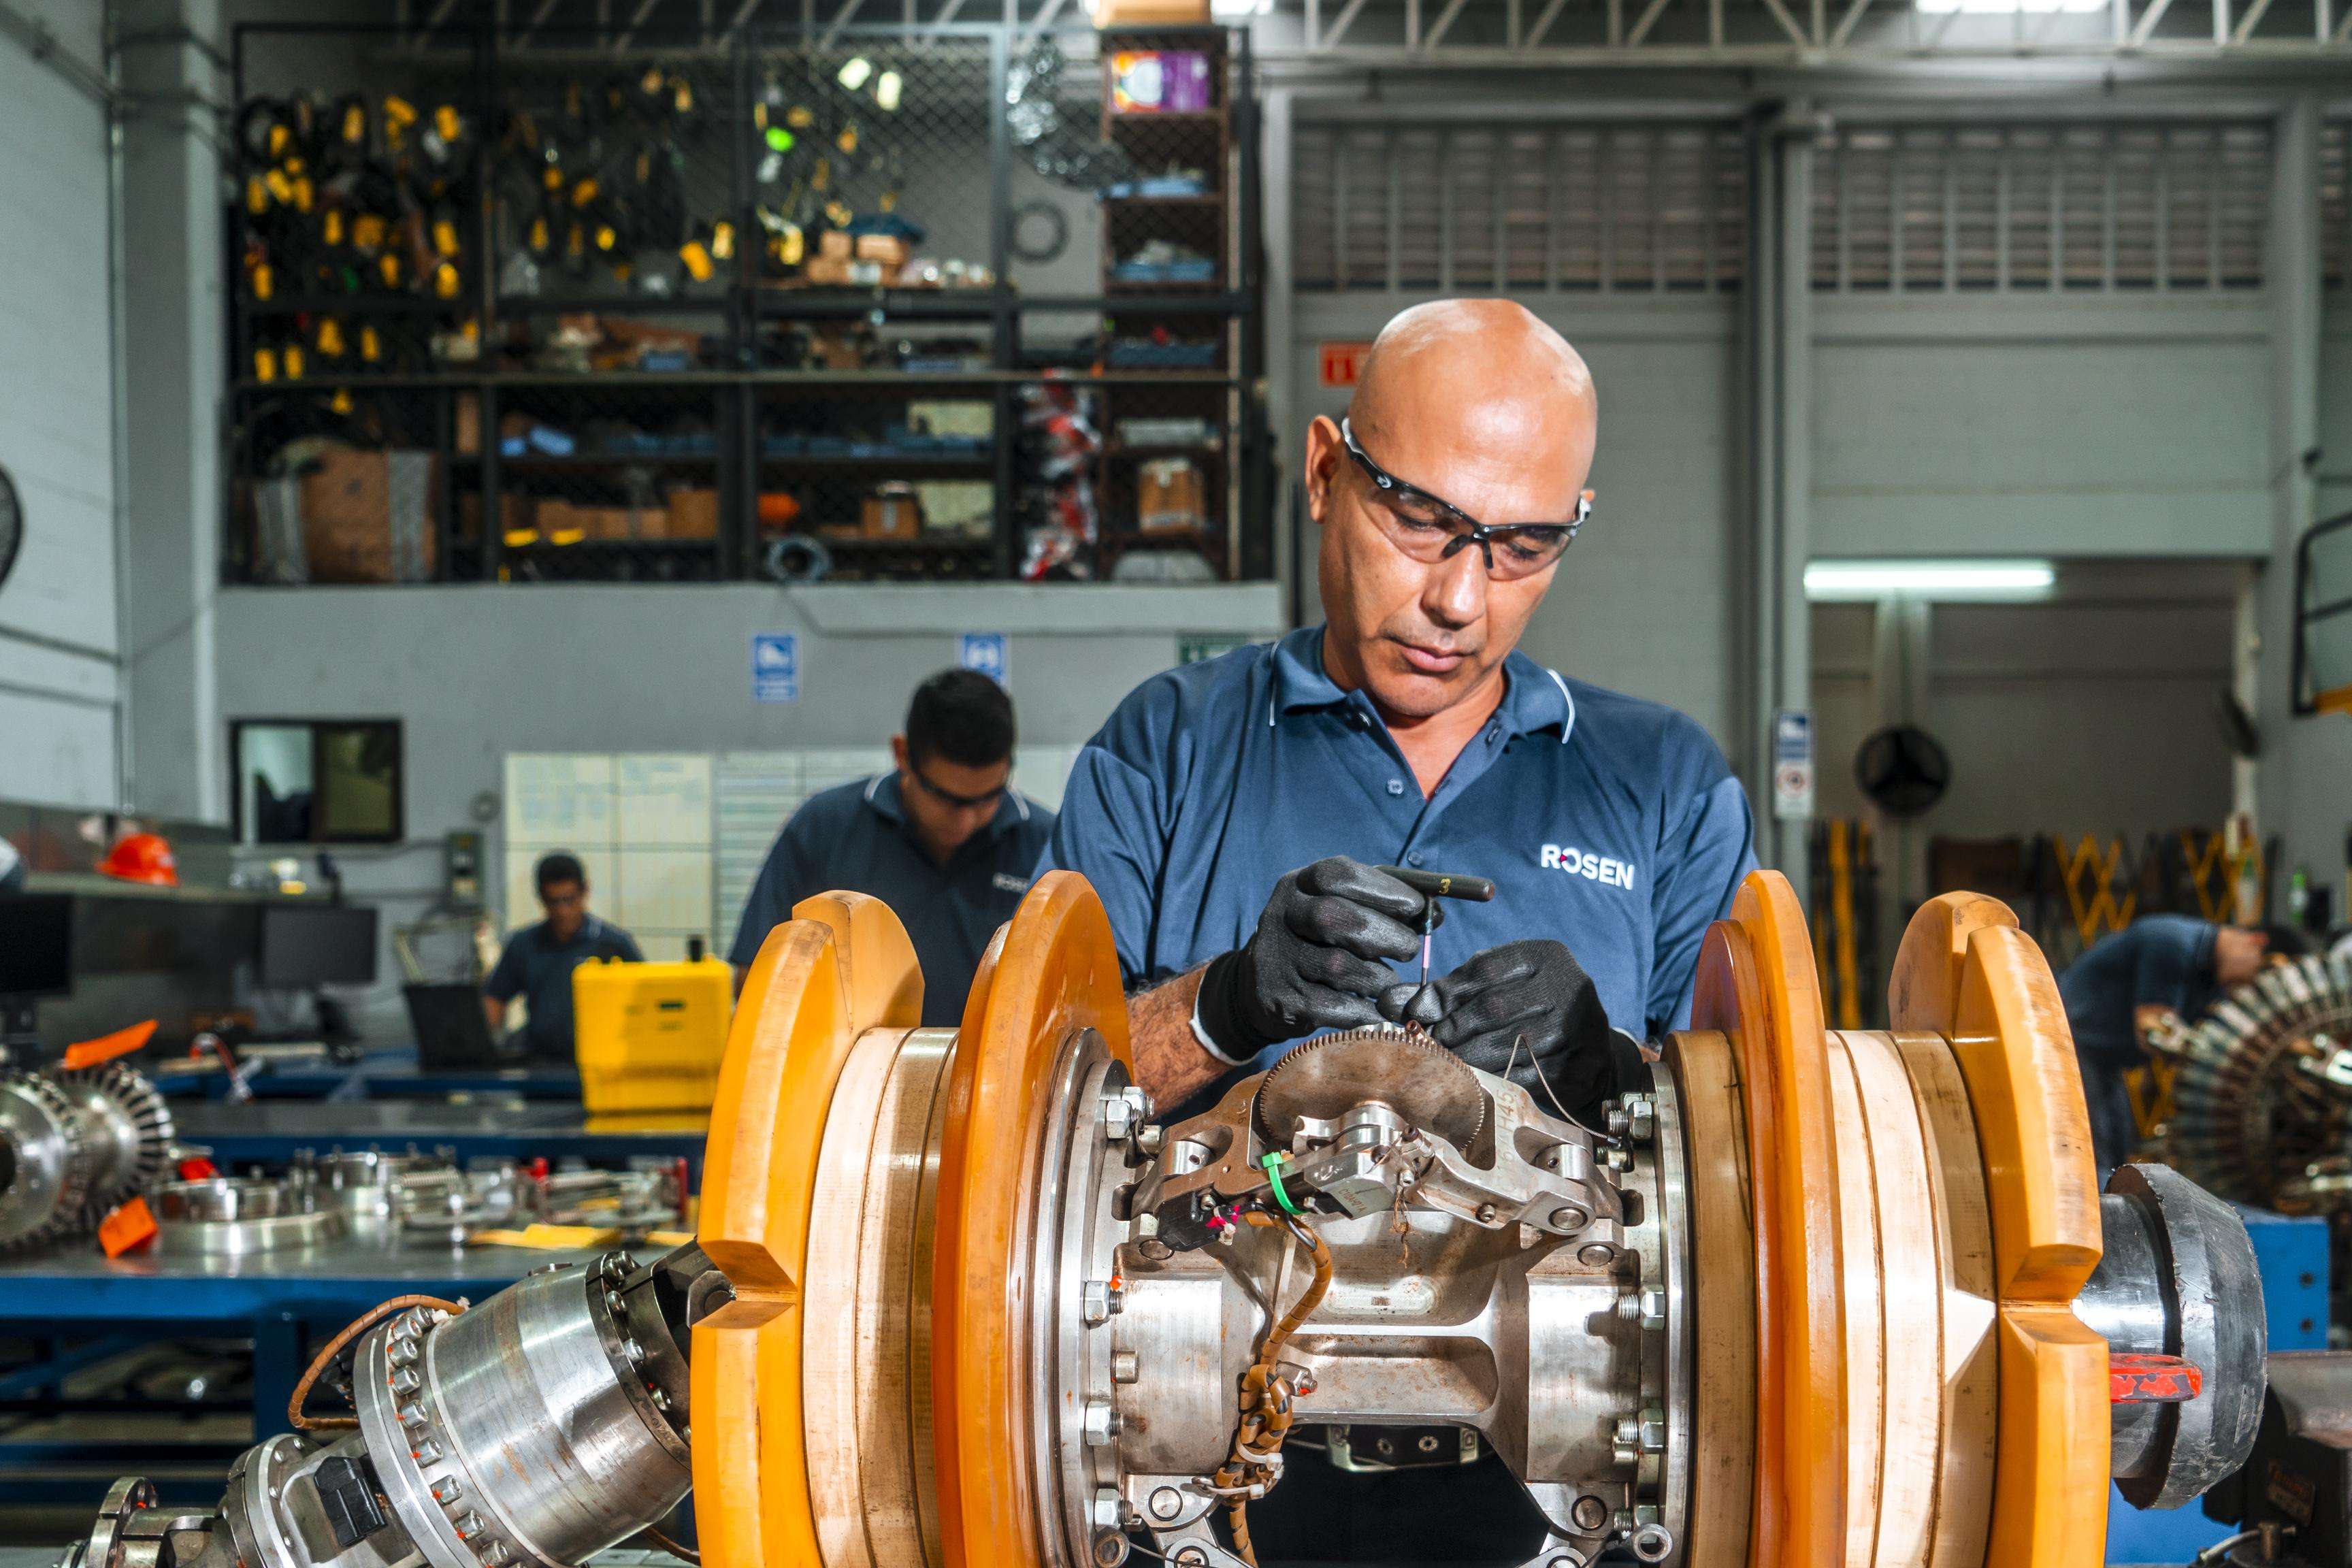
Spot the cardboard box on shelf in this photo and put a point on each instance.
(834, 245)
(1151, 13)
(1170, 497)
(886, 248)
(844, 272)
(693, 514)
(368, 516)
(468, 424)
(836, 347)
(606, 523)
(894, 512)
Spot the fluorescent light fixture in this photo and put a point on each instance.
(854, 74)
(887, 87)
(1240, 7)
(1835, 581)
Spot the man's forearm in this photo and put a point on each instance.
(1169, 1061)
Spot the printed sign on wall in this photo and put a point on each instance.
(775, 667)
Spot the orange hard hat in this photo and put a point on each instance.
(142, 858)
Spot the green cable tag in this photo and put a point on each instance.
(1271, 1164)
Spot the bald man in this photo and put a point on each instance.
(1231, 813)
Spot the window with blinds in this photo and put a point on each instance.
(1633, 209)
(2053, 209)
(2336, 204)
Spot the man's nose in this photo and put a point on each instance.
(1453, 594)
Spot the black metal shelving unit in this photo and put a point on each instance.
(740, 419)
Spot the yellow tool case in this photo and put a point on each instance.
(649, 1035)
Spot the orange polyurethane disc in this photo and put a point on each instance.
(1052, 970)
(1756, 985)
(1966, 972)
(842, 965)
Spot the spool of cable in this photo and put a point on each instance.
(797, 558)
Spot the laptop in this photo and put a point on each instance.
(451, 1032)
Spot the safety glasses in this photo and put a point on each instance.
(1429, 528)
(950, 797)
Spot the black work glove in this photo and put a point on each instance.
(1526, 1010)
(1315, 962)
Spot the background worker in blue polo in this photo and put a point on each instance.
(1231, 812)
(538, 960)
(945, 841)
(2115, 991)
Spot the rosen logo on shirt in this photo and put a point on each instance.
(1006, 882)
(1584, 863)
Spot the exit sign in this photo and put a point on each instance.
(1343, 363)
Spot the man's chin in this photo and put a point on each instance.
(1409, 693)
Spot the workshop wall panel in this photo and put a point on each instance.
(1507, 207)
(2103, 427)
(477, 673)
(2063, 208)
(59, 647)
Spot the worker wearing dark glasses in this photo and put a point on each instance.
(1232, 814)
(943, 838)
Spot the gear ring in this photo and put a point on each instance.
(1424, 1083)
(138, 1123)
(52, 1161)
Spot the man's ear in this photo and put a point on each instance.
(898, 752)
(1325, 449)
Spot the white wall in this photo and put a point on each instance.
(58, 637)
(1971, 425)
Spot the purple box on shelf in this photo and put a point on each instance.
(1160, 81)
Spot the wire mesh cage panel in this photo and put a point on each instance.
(622, 304)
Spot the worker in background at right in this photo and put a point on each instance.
(2174, 963)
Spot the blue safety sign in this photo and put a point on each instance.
(1792, 763)
(985, 652)
(775, 667)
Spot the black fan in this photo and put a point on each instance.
(12, 526)
(1902, 770)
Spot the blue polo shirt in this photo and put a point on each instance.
(537, 967)
(1609, 823)
(2157, 961)
(854, 838)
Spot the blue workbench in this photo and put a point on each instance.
(386, 1073)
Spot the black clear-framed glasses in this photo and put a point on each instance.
(1429, 529)
(950, 797)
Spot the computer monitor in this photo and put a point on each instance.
(36, 944)
(305, 946)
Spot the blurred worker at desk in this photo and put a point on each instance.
(538, 962)
(2124, 985)
(945, 840)
(1231, 813)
